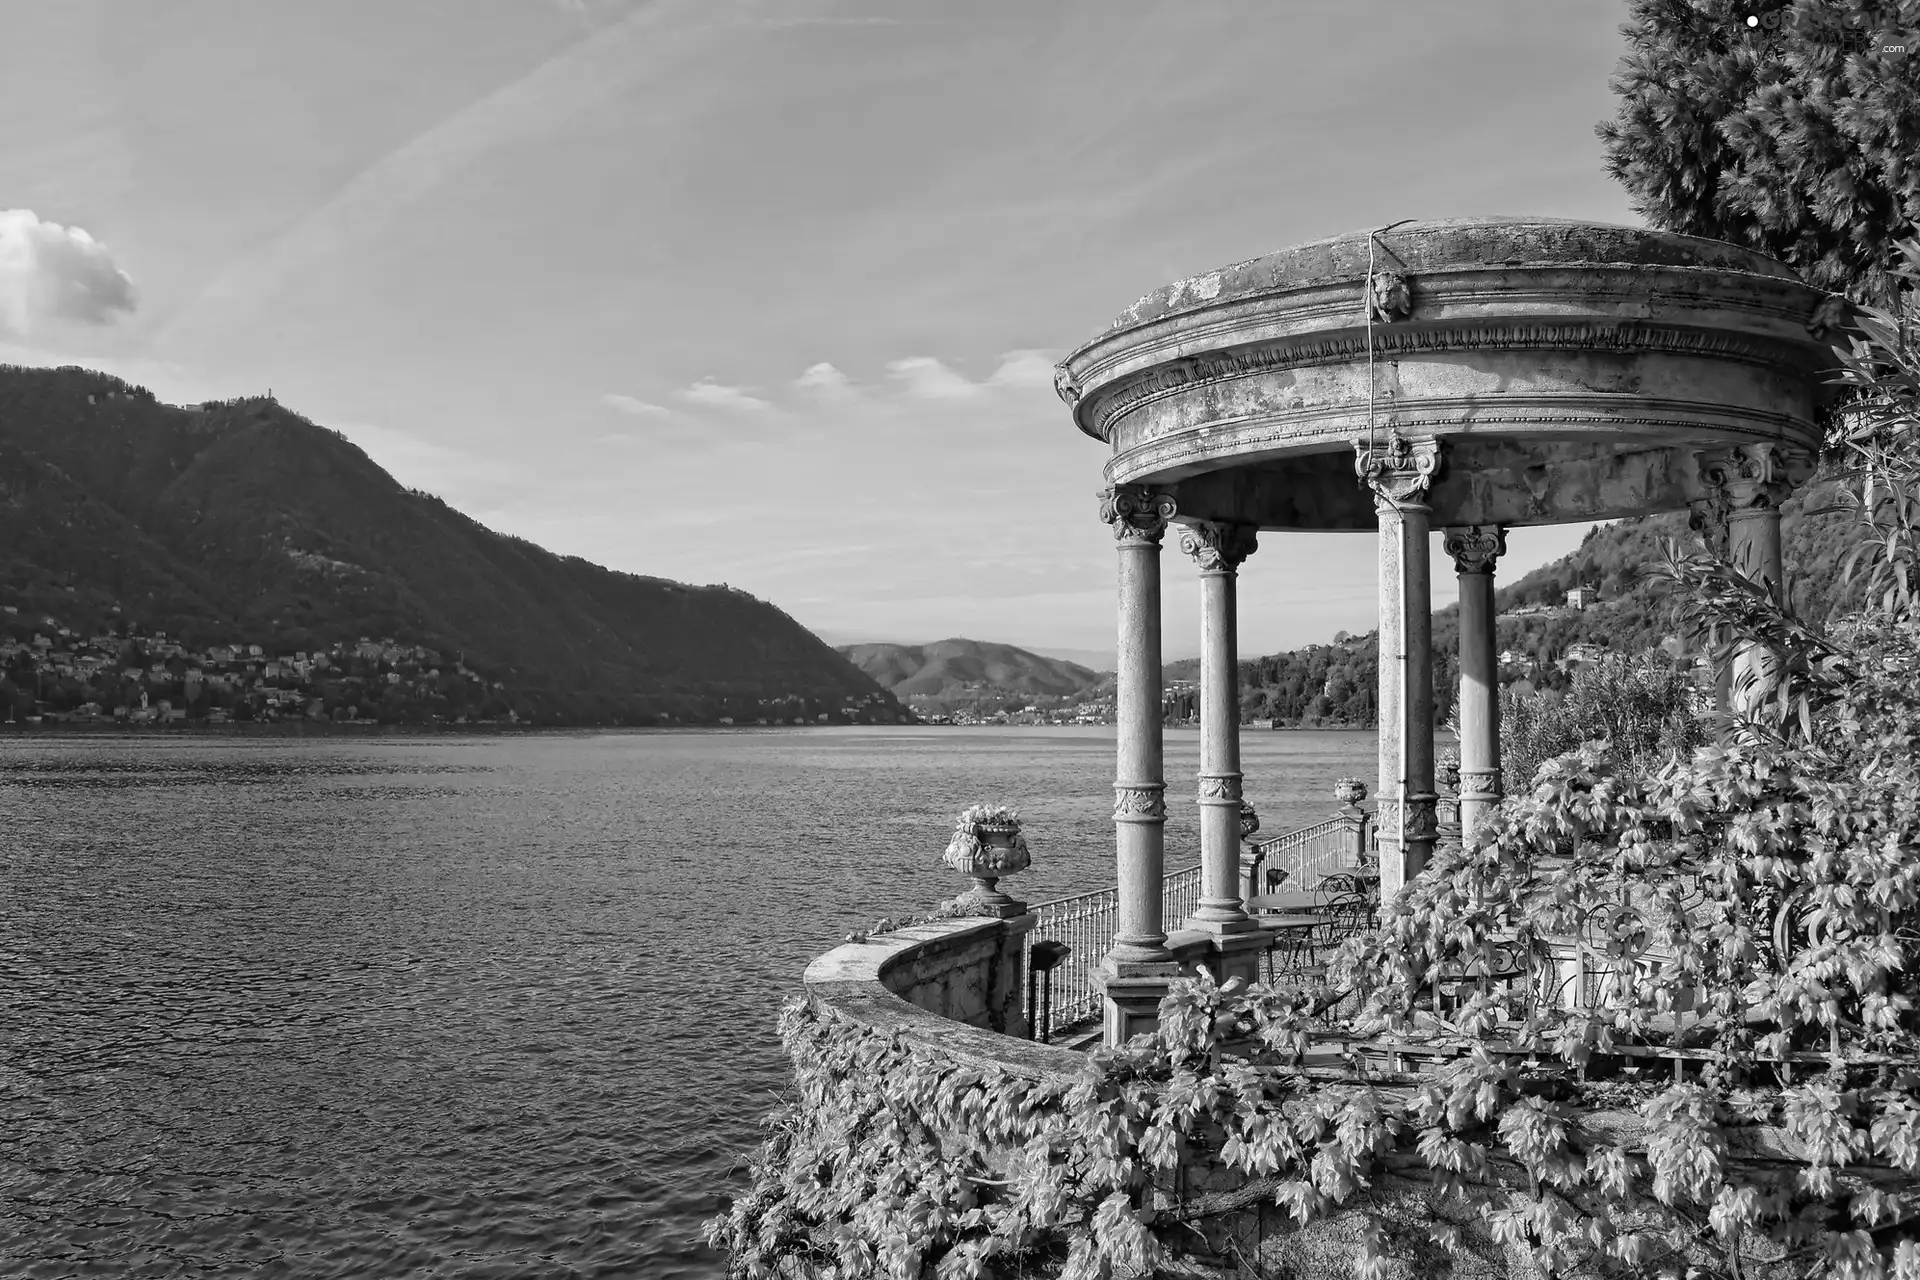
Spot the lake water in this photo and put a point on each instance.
(468, 1007)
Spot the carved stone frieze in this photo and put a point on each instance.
(1423, 818)
(1140, 803)
(1479, 784)
(1224, 787)
(1399, 470)
(1136, 512)
(1115, 401)
(1219, 548)
(1475, 548)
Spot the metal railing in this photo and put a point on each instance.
(1311, 853)
(1179, 895)
(1086, 922)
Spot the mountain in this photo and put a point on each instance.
(1337, 683)
(971, 672)
(243, 521)
(1092, 659)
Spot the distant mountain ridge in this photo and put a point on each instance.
(243, 520)
(959, 669)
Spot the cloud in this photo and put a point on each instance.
(53, 273)
(466, 479)
(655, 41)
(633, 405)
(1024, 370)
(716, 395)
(826, 381)
(929, 378)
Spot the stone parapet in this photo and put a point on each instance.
(1236, 1220)
(965, 972)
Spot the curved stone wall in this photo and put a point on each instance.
(943, 985)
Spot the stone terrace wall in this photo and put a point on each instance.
(939, 986)
(964, 971)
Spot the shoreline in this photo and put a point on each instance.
(309, 729)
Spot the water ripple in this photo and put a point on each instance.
(463, 1007)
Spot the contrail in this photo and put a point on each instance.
(650, 41)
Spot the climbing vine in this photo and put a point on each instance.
(895, 1159)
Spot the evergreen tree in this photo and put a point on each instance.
(1794, 135)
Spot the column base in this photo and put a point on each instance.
(1227, 926)
(1132, 992)
(1237, 955)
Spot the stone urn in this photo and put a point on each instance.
(1249, 820)
(1449, 771)
(987, 845)
(1349, 791)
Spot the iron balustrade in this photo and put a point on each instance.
(1085, 922)
(1313, 853)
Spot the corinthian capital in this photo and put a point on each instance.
(1219, 548)
(1137, 513)
(1475, 547)
(1752, 477)
(1399, 470)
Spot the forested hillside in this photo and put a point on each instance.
(1337, 683)
(242, 522)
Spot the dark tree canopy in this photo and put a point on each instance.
(1797, 136)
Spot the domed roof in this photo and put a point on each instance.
(1420, 248)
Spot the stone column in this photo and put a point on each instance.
(1475, 550)
(1134, 975)
(1399, 473)
(1219, 550)
(1750, 482)
(1139, 518)
(1708, 518)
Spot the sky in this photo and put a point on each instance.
(763, 293)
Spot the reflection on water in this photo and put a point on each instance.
(465, 1007)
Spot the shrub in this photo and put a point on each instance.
(1641, 705)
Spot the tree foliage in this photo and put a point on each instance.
(1794, 136)
(1641, 705)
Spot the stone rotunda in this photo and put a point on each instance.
(1465, 376)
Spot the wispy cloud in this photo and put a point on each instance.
(657, 39)
(930, 378)
(1024, 370)
(53, 273)
(633, 405)
(716, 395)
(472, 481)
